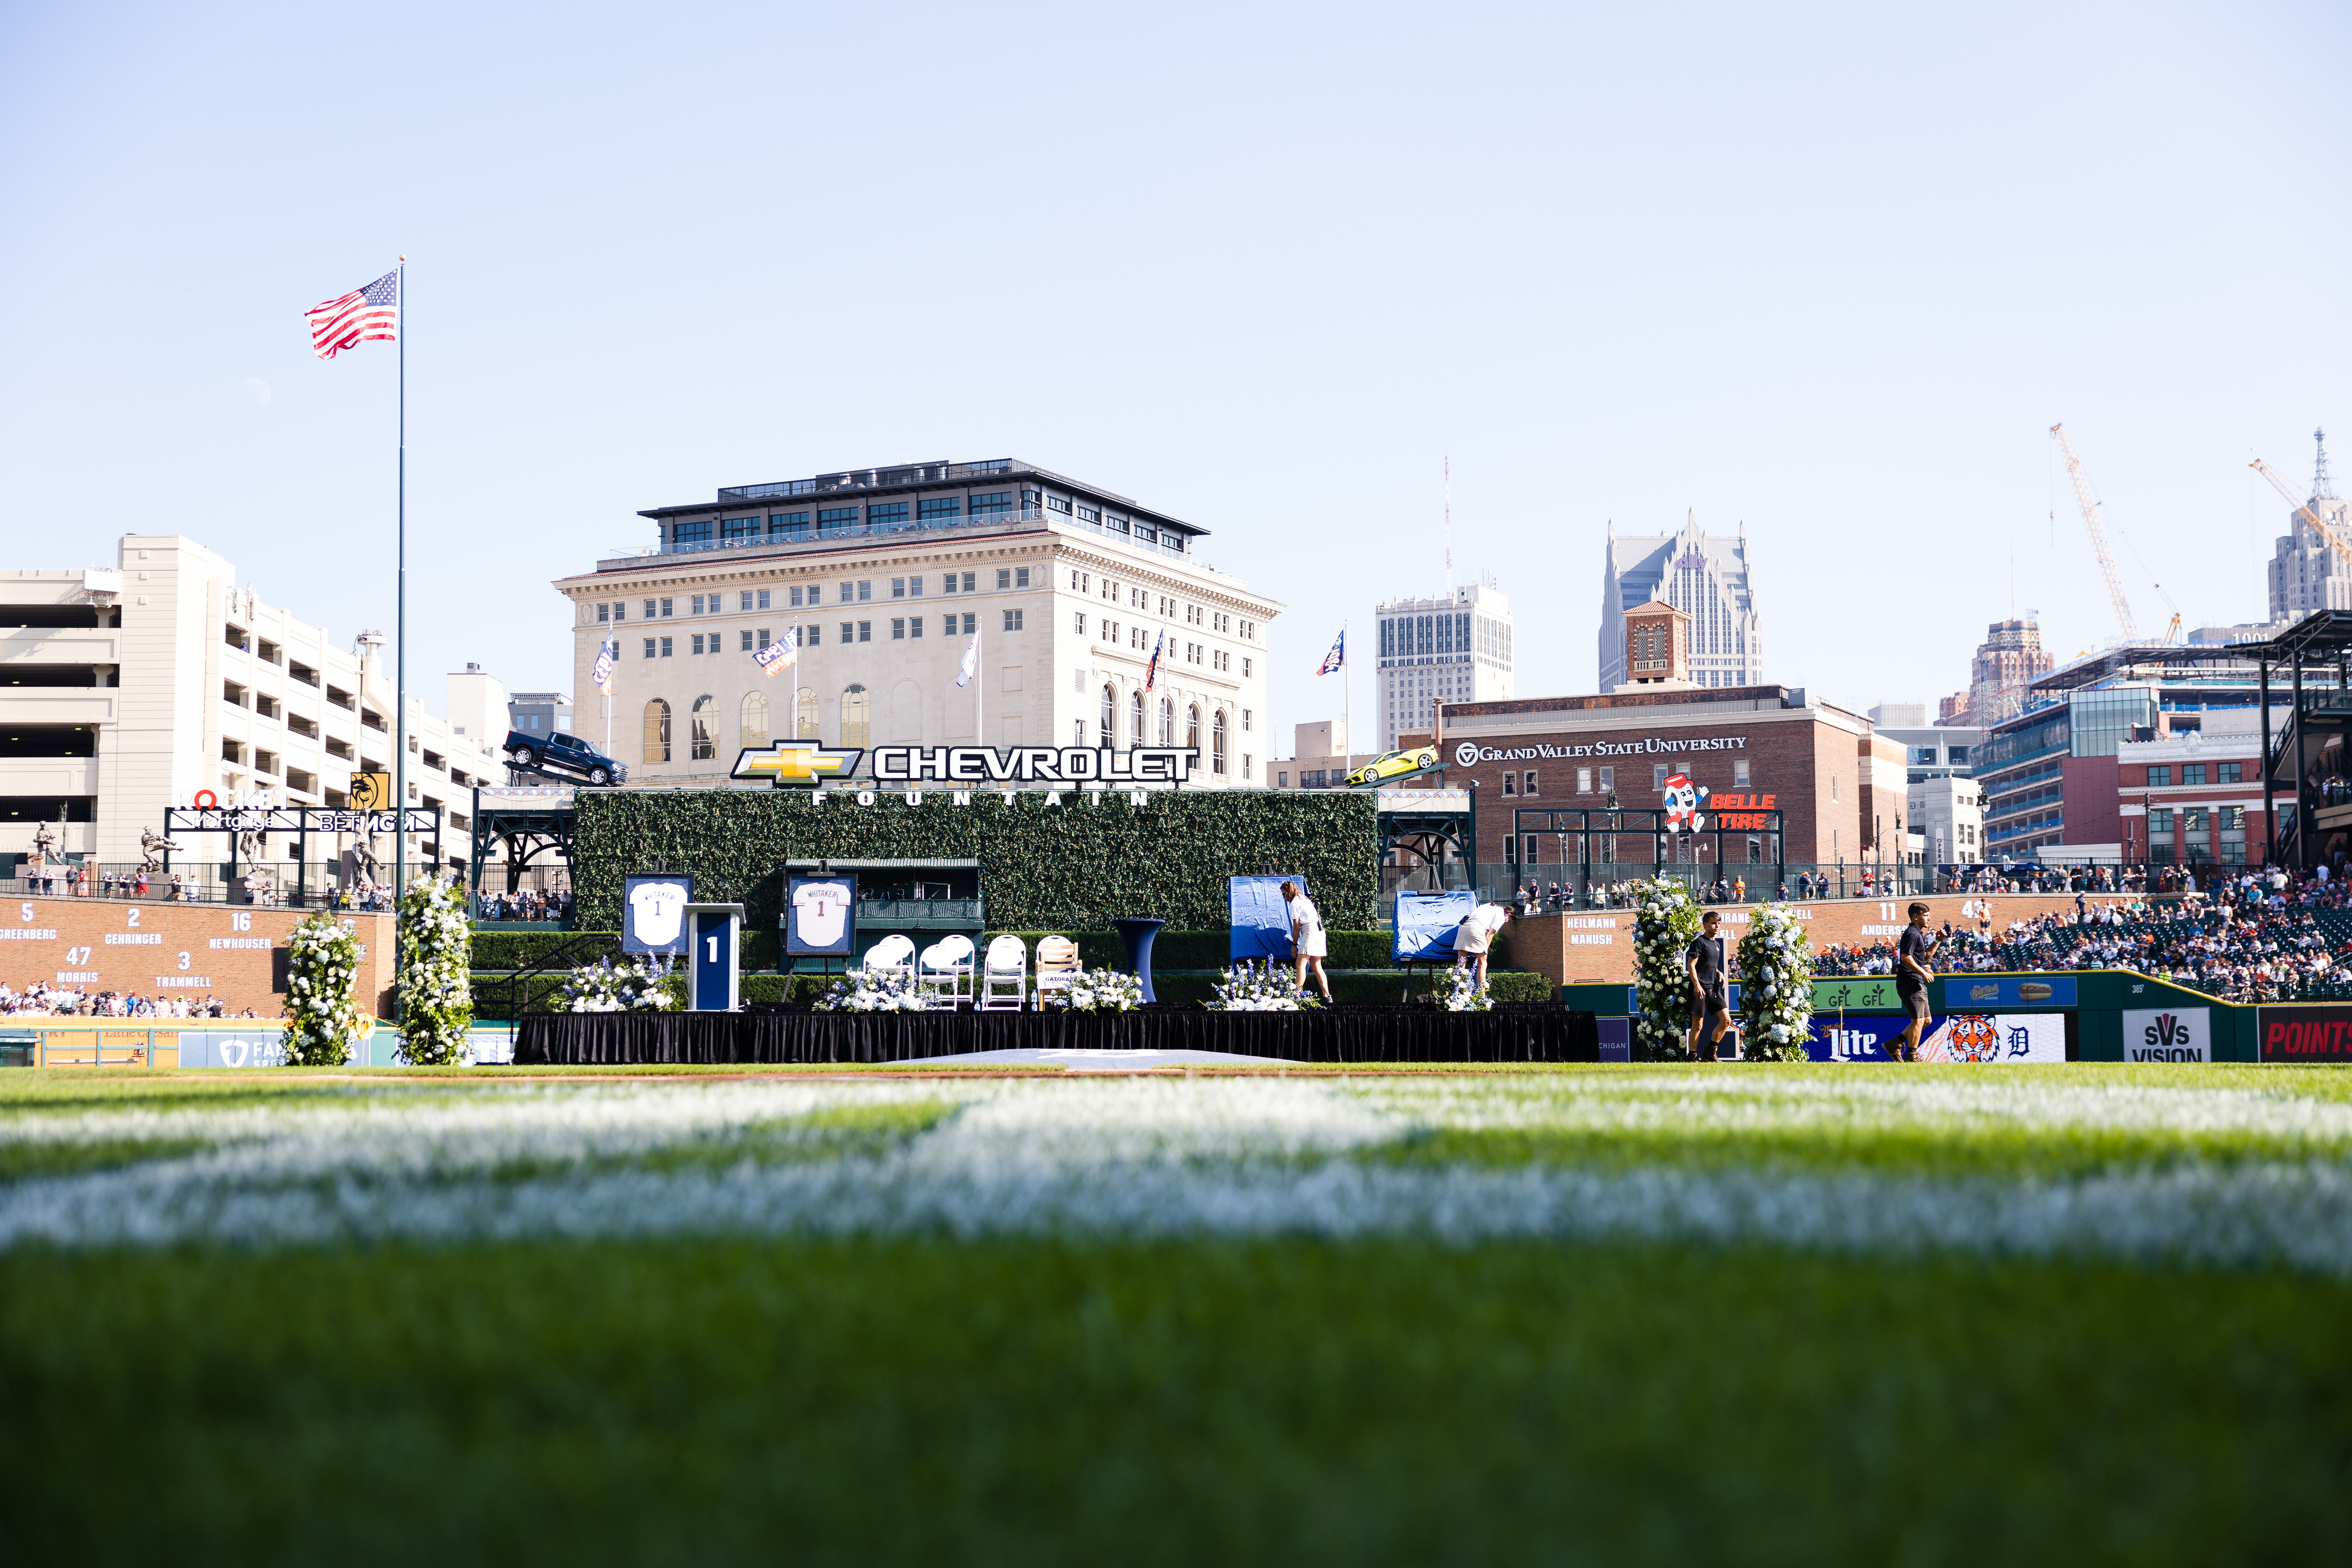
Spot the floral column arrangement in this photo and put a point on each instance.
(1665, 919)
(322, 1018)
(1776, 987)
(437, 996)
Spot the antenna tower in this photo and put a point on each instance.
(2320, 489)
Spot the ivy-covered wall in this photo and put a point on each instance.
(1074, 866)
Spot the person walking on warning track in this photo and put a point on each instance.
(1710, 986)
(1309, 944)
(1915, 952)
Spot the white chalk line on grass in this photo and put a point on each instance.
(1153, 1159)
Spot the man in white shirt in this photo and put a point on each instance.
(1475, 935)
(1309, 944)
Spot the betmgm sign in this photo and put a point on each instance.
(803, 763)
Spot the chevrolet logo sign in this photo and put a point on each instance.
(787, 763)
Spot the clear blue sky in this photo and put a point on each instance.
(1833, 272)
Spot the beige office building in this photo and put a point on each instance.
(128, 689)
(888, 574)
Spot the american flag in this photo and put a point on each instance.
(779, 654)
(602, 674)
(1152, 670)
(361, 314)
(1337, 657)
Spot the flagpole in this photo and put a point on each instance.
(1346, 703)
(400, 639)
(979, 689)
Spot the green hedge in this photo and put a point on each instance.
(1073, 866)
(523, 949)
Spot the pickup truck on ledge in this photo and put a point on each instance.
(561, 755)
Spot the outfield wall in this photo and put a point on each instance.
(1595, 947)
(173, 950)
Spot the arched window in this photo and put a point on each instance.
(1167, 720)
(1192, 726)
(1217, 743)
(1135, 719)
(754, 726)
(857, 726)
(805, 713)
(658, 731)
(705, 746)
(1109, 716)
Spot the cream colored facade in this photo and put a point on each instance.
(193, 683)
(1066, 617)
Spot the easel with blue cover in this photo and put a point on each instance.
(1425, 925)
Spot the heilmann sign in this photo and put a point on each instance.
(1469, 753)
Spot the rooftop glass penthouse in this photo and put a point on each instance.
(862, 502)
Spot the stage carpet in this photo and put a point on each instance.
(1523, 1034)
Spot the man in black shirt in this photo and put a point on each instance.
(1914, 950)
(1710, 986)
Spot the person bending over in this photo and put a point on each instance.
(1308, 943)
(1474, 938)
(1710, 986)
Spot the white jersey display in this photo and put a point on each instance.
(655, 911)
(819, 912)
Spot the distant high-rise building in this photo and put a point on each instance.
(1451, 649)
(1703, 575)
(2306, 574)
(2009, 659)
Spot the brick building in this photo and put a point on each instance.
(2193, 797)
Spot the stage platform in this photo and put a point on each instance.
(1527, 1034)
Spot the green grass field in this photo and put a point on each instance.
(1615, 1315)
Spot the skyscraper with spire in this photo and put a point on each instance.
(2305, 574)
(1705, 576)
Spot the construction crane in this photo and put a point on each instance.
(2098, 535)
(2303, 510)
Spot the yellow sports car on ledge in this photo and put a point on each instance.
(1395, 765)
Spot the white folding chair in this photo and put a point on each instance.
(895, 951)
(946, 971)
(1057, 965)
(1007, 965)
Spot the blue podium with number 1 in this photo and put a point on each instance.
(713, 967)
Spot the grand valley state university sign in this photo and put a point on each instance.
(806, 764)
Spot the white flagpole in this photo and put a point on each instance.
(979, 686)
(1346, 703)
(400, 640)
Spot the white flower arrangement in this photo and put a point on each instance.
(1458, 991)
(1775, 988)
(873, 991)
(1250, 988)
(436, 998)
(1665, 919)
(641, 984)
(323, 1017)
(1094, 991)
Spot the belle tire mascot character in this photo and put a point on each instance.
(1684, 800)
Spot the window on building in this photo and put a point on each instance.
(751, 721)
(849, 593)
(897, 587)
(804, 712)
(1658, 777)
(1108, 716)
(939, 507)
(1058, 503)
(1608, 780)
(664, 607)
(1528, 785)
(653, 609)
(788, 525)
(849, 631)
(886, 516)
(997, 500)
(747, 646)
(604, 612)
(1003, 578)
(856, 727)
(813, 634)
(866, 631)
(2192, 772)
(898, 628)
(705, 728)
(666, 642)
(833, 521)
(1510, 784)
(1193, 727)
(2157, 778)
(795, 600)
(2228, 773)
(650, 644)
(1079, 626)
(740, 528)
(1135, 719)
(971, 623)
(697, 643)
(1217, 743)
(1584, 781)
(914, 625)
(1012, 620)
(656, 730)
(696, 532)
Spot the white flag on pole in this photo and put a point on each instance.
(970, 662)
